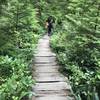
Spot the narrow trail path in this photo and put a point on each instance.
(50, 83)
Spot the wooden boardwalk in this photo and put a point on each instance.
(50, 83)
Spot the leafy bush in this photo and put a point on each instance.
(16, 88)
(19, 33)
(81, 63)
(15, 79)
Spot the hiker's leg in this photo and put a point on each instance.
(49, 31)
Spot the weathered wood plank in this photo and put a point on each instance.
(50, 83)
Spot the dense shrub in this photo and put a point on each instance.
(15, 79)
(19, 33)
(80, 58)
(77, 44)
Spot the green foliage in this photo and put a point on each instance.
(15, 79)
(76, 41)
(80, 57)
(16, 88)
(19, 33)
(77, 45)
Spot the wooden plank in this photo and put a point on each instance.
(50, 83)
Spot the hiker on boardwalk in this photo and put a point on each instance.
(49, 25)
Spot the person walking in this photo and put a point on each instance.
(49, 25)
